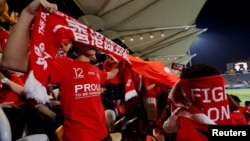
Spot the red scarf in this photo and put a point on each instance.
(125, 75)
(204, 97)
(48, 32)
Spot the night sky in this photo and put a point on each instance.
(227, 39)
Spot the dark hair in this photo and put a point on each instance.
(233, 105)
(236, 98)
(199, 70)
(72, 52)
(247, 103)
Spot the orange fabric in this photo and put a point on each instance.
(154, 70)
(59, 133)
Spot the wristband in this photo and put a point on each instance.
(4, 80)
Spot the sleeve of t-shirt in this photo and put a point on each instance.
(17, 79)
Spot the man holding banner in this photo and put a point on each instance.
(79, 81)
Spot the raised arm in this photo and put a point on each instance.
(16, 54)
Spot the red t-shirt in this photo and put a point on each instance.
(238, 118)
(4, 35)
(80, 95)
(242, 109)
(189, 130)
(152, 92)
(109, 66)
(7, 95)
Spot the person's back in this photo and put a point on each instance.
(80, 98)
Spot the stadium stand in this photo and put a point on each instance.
(237, 80)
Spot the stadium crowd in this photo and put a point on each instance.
(93, 94)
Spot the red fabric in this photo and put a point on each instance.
(190, 130)
(120, 109)
(152, 92)
(149, 138)
(154, 70)
(81, 105)
(109, 66)
(48, 32)
(238, 118)
(65, 41)
(208, 95)
(136, 79)
(242, 109)
(8, 95)
(4, 35)
(125, 75)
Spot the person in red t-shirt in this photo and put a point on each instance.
(79, 81)
(114, 85)
(247, 111)
(150, 93)
(237, 116)
(192, 106)
(16, 107)
(3, 39)
(10, 102)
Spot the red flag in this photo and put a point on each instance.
(155, 70)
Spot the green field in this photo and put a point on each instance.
(243, 94)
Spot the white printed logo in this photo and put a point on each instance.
(42, 56)
(128, 83)
(91, 73)
(78, 72)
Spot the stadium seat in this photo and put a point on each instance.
(116, 136)
(5, 131)
(110, 119)
(36, 137)
(59, 135)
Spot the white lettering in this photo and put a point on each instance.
(215, 132)
(218, 91)
(78, 87)
(221, 113)
(198, 94)
(41, 27)
(213, 111)
(77, 27)
(225, 112)
(231, 133)
(87, 88)
(97, 39)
